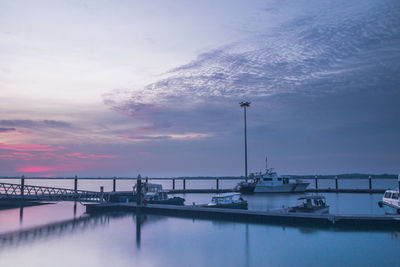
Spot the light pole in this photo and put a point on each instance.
(244, 105)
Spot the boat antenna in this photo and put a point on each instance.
(266, 164)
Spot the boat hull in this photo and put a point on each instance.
(389, 208)
(242, 206)
(171, 201)
(284, 188)
(247, 188)
(323, 210)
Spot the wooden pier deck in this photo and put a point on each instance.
(374, 222)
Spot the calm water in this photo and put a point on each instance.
(129, 240)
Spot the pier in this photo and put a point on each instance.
(263, 217)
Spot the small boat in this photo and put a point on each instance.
(390, 202)
(227, 201)
(161, 197)
(270, 182)
(311, 204)
(130, 196)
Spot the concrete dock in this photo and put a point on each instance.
(356, 222)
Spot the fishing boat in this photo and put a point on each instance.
(161, 197)
(311, 204)
(130, 196)
(228, 201)
(390, 201)
(270, 182)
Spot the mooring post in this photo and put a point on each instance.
(370, 183)
(217, 184)
(316, 182)
(114, 184)
(336, 183)
(173, 184)
(76, 184)
(184, 184)
(101, 193)
(147, 179)
(22, 186)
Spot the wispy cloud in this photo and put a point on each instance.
(7, 130)
(314, 52)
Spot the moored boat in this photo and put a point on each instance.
(161, 197)
(130, 196)
(311, 204)
(228, 201)
(270, 182)
(390, 201)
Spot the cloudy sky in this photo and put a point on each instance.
(117, 88)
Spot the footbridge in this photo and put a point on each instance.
(43, 193)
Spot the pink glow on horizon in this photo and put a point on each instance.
(35, 169)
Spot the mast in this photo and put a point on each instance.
(266, 164)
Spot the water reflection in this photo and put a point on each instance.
(44, 232)
(21, 215)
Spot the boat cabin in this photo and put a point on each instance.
(391, 197)
(313, 201)
(157, 195)
(226, 198)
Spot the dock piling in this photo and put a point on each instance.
(370, 183)
(336, 183)
(217, 181)
(76, 184)
(184, 184)
(316, 183)
(114, 184)
(22, 186)
(101, 193)
(173, 184)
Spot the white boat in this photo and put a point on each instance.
(271, 182)
(311, 204)
(390, 201)
(227, 201)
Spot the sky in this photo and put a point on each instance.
(117, 88)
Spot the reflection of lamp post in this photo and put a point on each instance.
(244, 105)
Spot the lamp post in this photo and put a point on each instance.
(244, 105)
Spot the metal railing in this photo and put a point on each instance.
(44, 193)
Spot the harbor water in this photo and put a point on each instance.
(126, 239)
(62, 234)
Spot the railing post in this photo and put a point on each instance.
(336, 183)
(370, 183)
(316, 182)
(22, 186)
(217, 184)
(184, 184)
(114, 184)
(76, 184)
(173, 184)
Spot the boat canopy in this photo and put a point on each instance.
(225, 195)
(311, 197)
